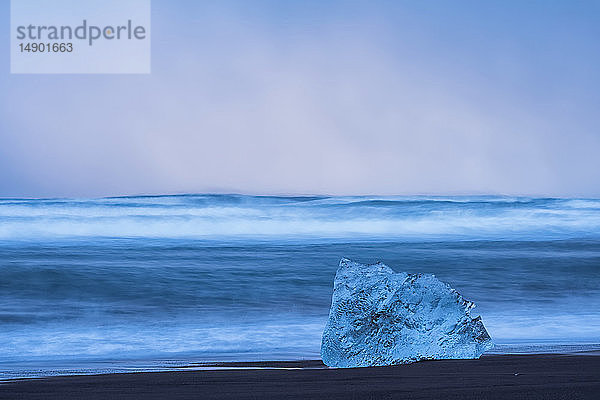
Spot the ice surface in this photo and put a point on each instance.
(379, 317)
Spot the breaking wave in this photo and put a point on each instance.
(319, 218)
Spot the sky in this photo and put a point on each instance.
(321, 97)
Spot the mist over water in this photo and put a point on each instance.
(228, 277)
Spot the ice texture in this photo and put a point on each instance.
(379, 317)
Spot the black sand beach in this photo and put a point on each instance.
(491, 377)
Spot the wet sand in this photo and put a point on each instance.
(491, 377)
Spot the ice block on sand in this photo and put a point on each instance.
(379, 317)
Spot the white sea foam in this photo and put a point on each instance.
(321, 218)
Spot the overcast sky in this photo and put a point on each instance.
(328, 97)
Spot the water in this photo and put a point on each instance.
(144, 283)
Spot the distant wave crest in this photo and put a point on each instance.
(320, 218)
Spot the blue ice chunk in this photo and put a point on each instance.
(379, 317)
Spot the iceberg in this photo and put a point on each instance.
(379, 317)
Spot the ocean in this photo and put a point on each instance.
(159, 282)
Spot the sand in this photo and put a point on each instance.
(491, 377)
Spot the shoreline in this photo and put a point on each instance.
(96, 367)
(47, 368)
(540, 376)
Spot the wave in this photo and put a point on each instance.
(231, 216)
